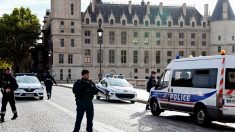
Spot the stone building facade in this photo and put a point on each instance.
(137, 38)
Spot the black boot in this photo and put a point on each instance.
(14, 116)
(2, 119)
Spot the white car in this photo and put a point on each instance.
(29, 86)
(116, 89)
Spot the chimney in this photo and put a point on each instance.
(206, 10)
(142, 3)
(130, 8)
(93, 5)
(148, 8)
(184, 9)
(161, 8)
(225, 10)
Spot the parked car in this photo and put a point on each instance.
(116, 89)
(29, 86)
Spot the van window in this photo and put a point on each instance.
(163, 81)
(182, 78)
(166, 79)
(204, 78)
(230, 79)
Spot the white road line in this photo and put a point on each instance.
(100, 127)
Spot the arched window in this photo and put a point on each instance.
(87, 21)
(169, 23)
(123, 22)
(146, 23)
(135, 22)
(111, 22)
(158, 23)
(193, 24)
(204, 24)
(100, 21)
(181, 24)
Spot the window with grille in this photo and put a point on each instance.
(135, 22)
(61, 42)
(169, 35)
(112, 56)
(61, 58)
(123, 56)
(135, 57)
(203, 35)
(61, 74)
(70, 58)
(146, 57)
(123, 38)
(158, 56)
(111, 37)
(181, 35)
(72, 9)
(72, 43)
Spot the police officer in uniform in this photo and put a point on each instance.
(8, 85)
(151, 83)
(48, 81)
(84, 90)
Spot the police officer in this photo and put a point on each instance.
(8, 85)
(48, 81)
(84, 90)
(151, 83)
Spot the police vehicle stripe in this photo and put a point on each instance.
(178, 97)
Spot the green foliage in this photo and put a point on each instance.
(19, 31)
(4, 64)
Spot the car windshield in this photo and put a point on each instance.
(118, 82)
(27, 79)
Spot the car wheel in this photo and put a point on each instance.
(132, 102)
(97, 97)
(202, 117)
(41, 98)
(155, 110)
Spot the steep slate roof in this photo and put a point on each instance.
(218, 11)
(119, 9)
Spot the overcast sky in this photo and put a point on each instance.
(39, 7)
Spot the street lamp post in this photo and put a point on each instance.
(100, 35)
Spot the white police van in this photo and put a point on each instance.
(204, 87)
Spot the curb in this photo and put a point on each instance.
(138, 100)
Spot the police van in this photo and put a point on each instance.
(204, 87)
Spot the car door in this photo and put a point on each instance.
(163, 89)
(180, 90)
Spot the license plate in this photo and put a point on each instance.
(29, 94)
(230, 101)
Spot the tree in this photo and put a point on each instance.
(19, 32)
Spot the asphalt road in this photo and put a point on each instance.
(58, 115)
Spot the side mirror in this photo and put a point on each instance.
(157, 86)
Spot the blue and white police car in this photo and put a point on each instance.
(112, 88)
(204, 87)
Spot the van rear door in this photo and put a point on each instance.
(229, 94)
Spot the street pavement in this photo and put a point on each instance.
(59, 113)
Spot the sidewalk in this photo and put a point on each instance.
(142, 95)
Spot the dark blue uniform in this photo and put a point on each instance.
(84, 91)
(48, 81)
(8, 82)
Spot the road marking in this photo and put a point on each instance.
(100, 127)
